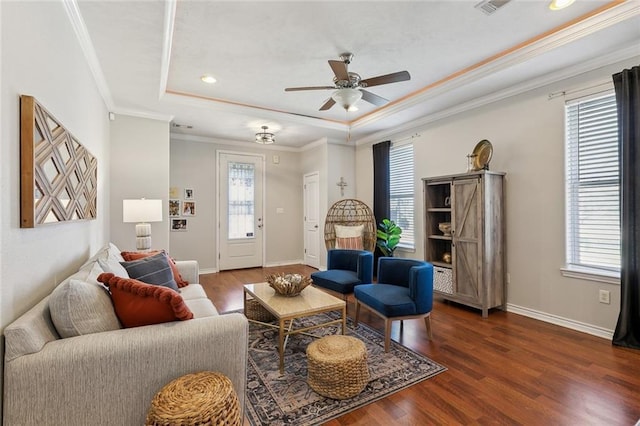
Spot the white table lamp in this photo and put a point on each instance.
(142, 212)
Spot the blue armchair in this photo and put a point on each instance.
(404, 291)
(345, 270)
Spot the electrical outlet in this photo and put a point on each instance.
(604, 296)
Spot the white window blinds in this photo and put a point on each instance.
(592, 168)
(401, 192)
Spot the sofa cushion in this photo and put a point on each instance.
(135, 255)
(152, 270)
(201, 307)
(193, 291)
(114, 267)
(338, 280)
(78, 308)
(137, 303)
(110, 251)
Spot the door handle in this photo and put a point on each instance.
(316, 226)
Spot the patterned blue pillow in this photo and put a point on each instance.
(152, 270)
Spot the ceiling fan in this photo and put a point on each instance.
(349, 86)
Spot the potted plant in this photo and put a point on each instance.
(388, 237)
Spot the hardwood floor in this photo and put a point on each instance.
(506, 369)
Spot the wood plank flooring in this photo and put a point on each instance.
(506, 369)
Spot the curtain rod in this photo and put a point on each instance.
(554, 95)
(415, 135)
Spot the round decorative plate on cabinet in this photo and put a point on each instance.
(482, 155)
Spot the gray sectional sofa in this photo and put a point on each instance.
(110, 377)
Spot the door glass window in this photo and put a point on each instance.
(241, 200)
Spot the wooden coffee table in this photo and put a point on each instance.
(311, 301)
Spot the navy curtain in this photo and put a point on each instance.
(381, 208)
(627, 88)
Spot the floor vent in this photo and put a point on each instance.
(490, 6)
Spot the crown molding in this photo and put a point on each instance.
(625, 53)
(228, 142)
(143, 114)
(80, 29)
(167, 42)
(607, 16)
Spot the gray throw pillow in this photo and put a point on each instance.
(79, 308)
(152, 270)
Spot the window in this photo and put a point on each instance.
(592, 176)
(241, 200)
(401, 191)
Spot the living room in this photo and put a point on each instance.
(142, 157)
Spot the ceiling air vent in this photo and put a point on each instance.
(490, 6)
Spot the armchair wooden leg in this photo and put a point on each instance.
(355, 321)
(387, 334)
(427, 322)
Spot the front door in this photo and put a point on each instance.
(311, 220)
(241, 225)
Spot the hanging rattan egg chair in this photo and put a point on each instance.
(350, 212)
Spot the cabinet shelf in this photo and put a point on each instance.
(439, 209)
(441, 264)
(440, 237)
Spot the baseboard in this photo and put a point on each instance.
(268, 265)
(563, 322)
(284, 263)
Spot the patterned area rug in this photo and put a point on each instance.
(273, 399)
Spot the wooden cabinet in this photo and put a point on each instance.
(469, 262)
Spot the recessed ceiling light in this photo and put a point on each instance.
(560, 4)
(207, 78)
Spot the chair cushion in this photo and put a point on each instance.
(389, 300)
(338, 280)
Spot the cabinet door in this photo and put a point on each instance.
(466, 237)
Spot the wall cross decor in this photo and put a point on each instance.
(342, 185)
(58, 175)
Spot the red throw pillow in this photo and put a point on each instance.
(137, 303)
(135, 255)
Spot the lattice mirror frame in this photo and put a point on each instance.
(58, 175)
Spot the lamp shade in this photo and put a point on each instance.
(140, 211)
(346, 97)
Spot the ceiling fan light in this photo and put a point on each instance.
(264, 137)
(346, 97)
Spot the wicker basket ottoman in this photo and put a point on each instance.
(204, 398)
(337, 366)
(255, 311)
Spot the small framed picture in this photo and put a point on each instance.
(174, 192)
(189, 194)
(188, 208)
(178, 224)
(174, 208)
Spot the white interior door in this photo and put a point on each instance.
(311, 220)
(241, 225)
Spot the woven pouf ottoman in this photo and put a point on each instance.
(205, 398)
(337, 366)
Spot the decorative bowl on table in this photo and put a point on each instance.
(445, 228)
(288, 284)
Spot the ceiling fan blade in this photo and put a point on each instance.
(296, 89)
(328, 104)
(372, 98)
(340, 70)
(386, 79)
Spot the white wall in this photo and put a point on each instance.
(341, 160)
(527, 133)
(140, 169)
(41, 57)
(193, 165)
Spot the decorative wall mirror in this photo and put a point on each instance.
(58, 175)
